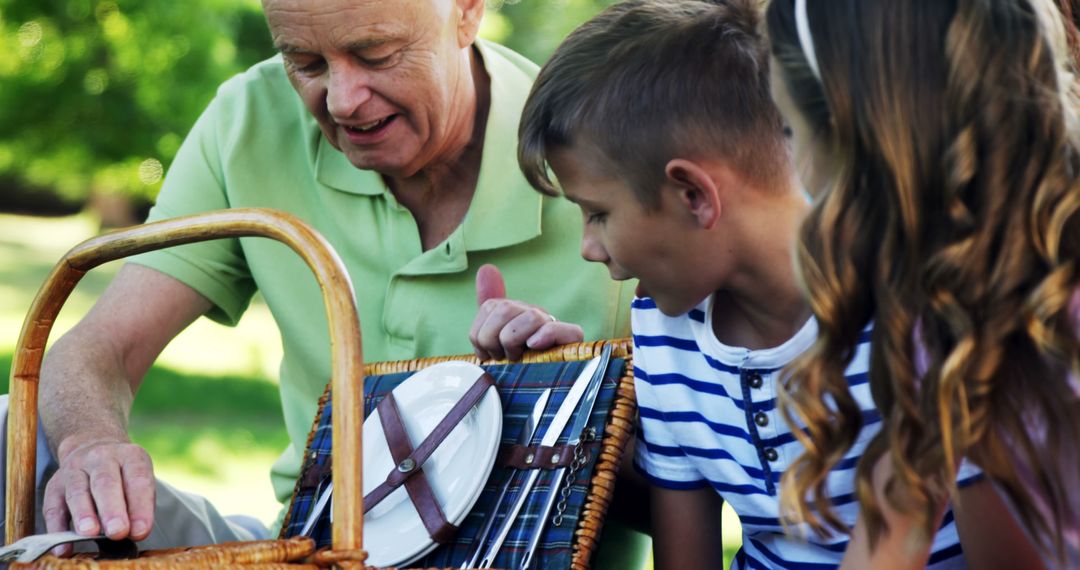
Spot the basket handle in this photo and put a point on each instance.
(347, 356)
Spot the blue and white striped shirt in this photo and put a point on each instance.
(709, 417)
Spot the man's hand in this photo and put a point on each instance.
(504, 328)
(89, 378)
(101, 487)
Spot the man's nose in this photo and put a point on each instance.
(346, 90)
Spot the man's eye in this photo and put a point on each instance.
(308, 67)
(380, 62)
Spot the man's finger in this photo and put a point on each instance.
(76, 489)
(489, 284)
(106, 486)
(54, 507)
(139, 491)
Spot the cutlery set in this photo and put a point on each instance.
(584, 391)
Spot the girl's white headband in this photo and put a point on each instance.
(806, 40)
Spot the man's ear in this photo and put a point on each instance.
(697, 191)
(471, 12)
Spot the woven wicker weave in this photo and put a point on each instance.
(348, 371)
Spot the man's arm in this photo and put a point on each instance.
(88, 382)
(686, 528)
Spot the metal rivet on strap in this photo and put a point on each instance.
(529, 458)
(408, 465)
(555, 458)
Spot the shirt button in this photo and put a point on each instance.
(754, 379)
(771, 454)
(761, 419)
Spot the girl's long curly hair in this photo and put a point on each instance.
(952, 220)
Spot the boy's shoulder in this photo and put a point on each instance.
(693, 332)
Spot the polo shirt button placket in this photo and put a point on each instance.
(755, 380)
(771, 455)
(761, 419)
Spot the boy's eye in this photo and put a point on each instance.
(596, 217)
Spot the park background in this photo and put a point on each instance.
(95, 99)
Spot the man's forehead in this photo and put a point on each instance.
(300, 25)
(441, 7)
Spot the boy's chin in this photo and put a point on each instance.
(674, 307)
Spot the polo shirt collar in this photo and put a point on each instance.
(505, 210)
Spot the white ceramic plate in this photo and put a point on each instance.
(394, 535)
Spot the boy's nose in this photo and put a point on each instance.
(592, 249)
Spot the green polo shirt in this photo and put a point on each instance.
(256, 145)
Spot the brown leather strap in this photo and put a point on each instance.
(536, 456)
(315, 474)
(416, 483)
(409, 462)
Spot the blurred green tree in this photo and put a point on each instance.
(96, 95)
(535, 28)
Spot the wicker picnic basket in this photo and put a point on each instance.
(348, 373)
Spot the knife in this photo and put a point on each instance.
(554, 430)
(524, 438)
(580, 420)
(317, 510)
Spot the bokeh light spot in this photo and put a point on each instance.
(151, 171)
(30, 34)
(96, 81)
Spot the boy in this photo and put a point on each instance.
(657, 120)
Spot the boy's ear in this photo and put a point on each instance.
(698, 192)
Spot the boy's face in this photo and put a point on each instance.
(655, 246)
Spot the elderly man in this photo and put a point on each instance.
(391, 129)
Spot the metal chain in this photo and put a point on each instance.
(580, 459)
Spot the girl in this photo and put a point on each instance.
(941, 143)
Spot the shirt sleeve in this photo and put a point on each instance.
(196, 183)
(657, 454)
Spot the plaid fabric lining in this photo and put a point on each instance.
(519, 387)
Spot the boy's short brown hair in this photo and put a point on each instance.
(646, 81)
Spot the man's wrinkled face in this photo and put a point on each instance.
(380, 76)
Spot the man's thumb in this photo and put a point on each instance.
(489, 284)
